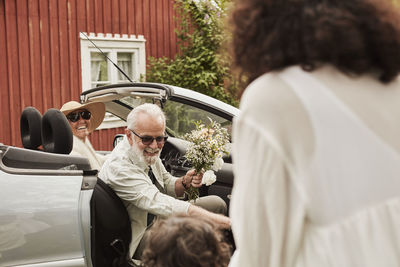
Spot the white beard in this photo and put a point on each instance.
(146, 159)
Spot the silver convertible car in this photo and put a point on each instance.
(54, 211)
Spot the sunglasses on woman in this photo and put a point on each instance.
(147, 140)
(75, 116)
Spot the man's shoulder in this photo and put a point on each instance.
(120, 166)
(122, 162)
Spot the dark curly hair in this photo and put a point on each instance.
(355, 36)
(183, 240)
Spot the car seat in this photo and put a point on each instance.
(111, 228)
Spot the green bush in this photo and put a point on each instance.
(201, 64)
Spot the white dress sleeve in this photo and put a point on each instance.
(266, 211)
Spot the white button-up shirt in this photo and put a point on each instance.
(128, 176)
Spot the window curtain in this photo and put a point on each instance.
(126, 67)
(95, 70)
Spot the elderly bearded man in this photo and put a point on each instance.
(127, 172)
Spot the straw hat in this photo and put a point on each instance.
(97, 109)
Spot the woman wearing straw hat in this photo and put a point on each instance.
(84, 119)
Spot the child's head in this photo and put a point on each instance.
(185, 241)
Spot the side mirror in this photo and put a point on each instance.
(118, 138)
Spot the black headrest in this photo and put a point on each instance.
(56, 132)
(31, 128)
(52, 131)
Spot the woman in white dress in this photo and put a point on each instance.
(317, 144)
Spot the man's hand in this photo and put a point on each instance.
(221, 221)
(193, 178)
(190, 178)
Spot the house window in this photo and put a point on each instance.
(98, 70)
(128, 52)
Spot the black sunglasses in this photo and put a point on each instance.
(147, 140)
(74, 116)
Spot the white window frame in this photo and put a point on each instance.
(111, 45)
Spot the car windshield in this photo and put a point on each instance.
(181, 118)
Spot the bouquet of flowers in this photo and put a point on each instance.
(205, 152)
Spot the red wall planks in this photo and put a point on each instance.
(65, 86)
(34, 51)
(90, 16)
(13, 71)
(115, 15)
(153, 27)
(160, 29)
(173, 47)
(136, 22)
(40, 50)
(103, 139)
(107, 15)
(55, 70)
(98, 16)
(74, 50)
(5, 130)
(123, 17)
(45, 63)
(23, 52)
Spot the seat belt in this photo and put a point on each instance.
(150, 217)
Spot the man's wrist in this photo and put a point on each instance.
(184, 183)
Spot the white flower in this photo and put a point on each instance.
(218, 164)
(207, 19)
(209, 178)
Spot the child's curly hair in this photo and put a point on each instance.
(183, 240)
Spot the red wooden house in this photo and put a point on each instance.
(45, 61)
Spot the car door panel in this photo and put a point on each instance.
(40, 209)
(39, 218)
